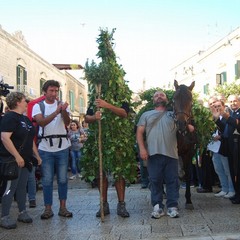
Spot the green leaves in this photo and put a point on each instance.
(118, 138)
(228, 88)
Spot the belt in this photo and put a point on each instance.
(60, 136)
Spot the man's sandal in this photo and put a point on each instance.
(48, 213)
(63, 212)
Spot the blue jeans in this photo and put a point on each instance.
(162, 168)
(144, 174)
(76, 156)
(54, 162)
(221, 167)
(31, 185)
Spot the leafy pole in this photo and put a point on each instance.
(117, 138)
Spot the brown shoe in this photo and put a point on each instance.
(48, 213)
(63, 212)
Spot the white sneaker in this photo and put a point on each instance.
(79, 175)
(157, 212)
(220, 194)
(72, 177)
(229, 195)
(173, 212)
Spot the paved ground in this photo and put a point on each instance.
(212, 218)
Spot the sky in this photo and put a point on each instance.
(152, 36)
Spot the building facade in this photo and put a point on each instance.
(26, 71)
(219, 64)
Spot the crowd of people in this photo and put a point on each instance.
(62, 140)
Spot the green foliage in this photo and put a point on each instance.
(204, 123)
(202, 116)
(118, 138)
(228, 88)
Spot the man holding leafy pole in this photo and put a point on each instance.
(109, 103)
(120, 183)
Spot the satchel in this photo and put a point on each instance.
(8, 169)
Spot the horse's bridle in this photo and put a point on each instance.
(180, 112)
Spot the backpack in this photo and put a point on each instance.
(29, 114)
(38, 137)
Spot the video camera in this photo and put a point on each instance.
(4, 88)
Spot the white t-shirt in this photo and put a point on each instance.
(55, 127)
(214, 145)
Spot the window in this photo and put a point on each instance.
(221, 78)
(21, 79)
(71, 100)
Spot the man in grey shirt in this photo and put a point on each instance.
(156, 137)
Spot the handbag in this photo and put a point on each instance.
(9, 169)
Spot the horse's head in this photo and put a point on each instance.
(182, 106)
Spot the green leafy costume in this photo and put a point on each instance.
(118, 138)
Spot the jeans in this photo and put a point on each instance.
(76, 156)
(31, 185)
(163, 168)
(54, 162)
(144, 174)
(221, 167)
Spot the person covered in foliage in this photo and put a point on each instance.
(110, 111)
(120, 183)
(161, 153)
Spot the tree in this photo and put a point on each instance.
(228, 88)
(118, 138)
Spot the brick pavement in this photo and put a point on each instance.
(212, 218)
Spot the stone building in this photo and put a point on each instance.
(26, 71)
(218, 64)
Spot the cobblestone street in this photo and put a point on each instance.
(212, 218)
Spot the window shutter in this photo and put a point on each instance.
(71, 100)
(25, 77)
(237, 69)
(18, 76)
(60, 95)
(42, 81)
(223, 77)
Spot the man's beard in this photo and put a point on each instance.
(162, 104)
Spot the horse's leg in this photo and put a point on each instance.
(187, 169)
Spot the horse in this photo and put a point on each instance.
(186, 140)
